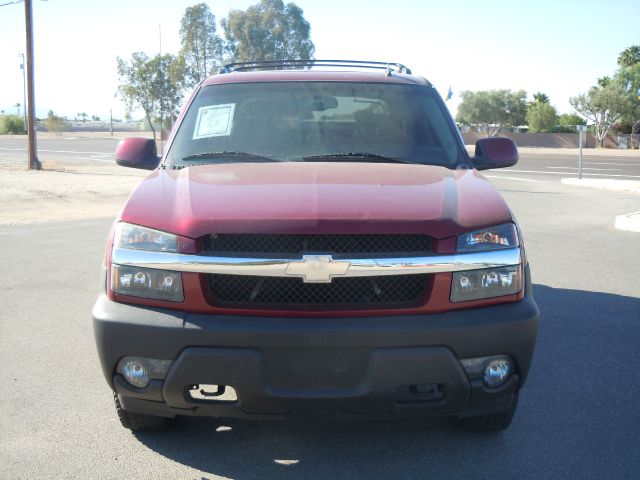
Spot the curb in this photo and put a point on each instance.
(629, 186)
(629, 222)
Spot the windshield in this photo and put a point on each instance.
(315, 121)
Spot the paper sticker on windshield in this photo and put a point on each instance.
(214, 121)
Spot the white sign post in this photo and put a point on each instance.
(581, 130)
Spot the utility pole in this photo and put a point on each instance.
(24, 92)
(162, 73)
(34, 163)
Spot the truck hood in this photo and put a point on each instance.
(315, 198)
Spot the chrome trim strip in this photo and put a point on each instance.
(316, 268)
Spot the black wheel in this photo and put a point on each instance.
(139, 421)
(493, 422)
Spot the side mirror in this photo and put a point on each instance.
(495, 152)
(137, 153)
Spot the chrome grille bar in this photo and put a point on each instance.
(316, 268)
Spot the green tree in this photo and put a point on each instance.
(570, 120)
(84, 116)
(540, 97)
(541, 117)
(604, 104)
(629, 56)
(152, 84)
(566, 123)
(268, 30)
(492, 109)
(202, 48)
(629, 79)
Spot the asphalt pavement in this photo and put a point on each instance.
(538, 167)
(65, 149)
(578, 415)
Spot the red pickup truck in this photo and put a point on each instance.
(315, 241)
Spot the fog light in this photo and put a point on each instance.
(135, 373)
(497, 372)
(138, 371)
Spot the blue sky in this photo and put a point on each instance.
(557, 47)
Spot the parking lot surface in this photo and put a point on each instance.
(578, 414)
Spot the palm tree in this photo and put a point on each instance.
(17, 105)
(540, 97)
(629, 56)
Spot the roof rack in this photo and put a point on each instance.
(284, 64)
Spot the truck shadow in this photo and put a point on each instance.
(578, 408)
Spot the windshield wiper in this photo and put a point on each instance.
(364, 156)
(227, 154)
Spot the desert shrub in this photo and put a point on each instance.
(54, 123)
(12, 124)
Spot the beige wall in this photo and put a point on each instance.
(552, 140)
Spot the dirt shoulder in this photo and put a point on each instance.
(46, 195)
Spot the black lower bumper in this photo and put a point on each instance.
(350, 366)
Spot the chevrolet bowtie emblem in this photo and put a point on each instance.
(317, 268)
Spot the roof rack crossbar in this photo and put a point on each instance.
(276, 64)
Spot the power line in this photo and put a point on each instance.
(14, 3)
(11, 3)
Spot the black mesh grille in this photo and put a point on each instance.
(244, 291)
(287, 245)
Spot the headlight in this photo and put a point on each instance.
(492, 238)
(485, 283)
(146, 282)
(136, 237)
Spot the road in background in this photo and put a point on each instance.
(71, 150)
(578, 415)
(68, 150)
(532, 166)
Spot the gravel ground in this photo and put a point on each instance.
(51, 195)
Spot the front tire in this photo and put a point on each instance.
(494, 422)
(139, 422)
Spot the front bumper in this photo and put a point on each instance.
(287, 367)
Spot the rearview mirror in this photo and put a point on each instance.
(137, 153)
(324, 102)
(495, 152)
